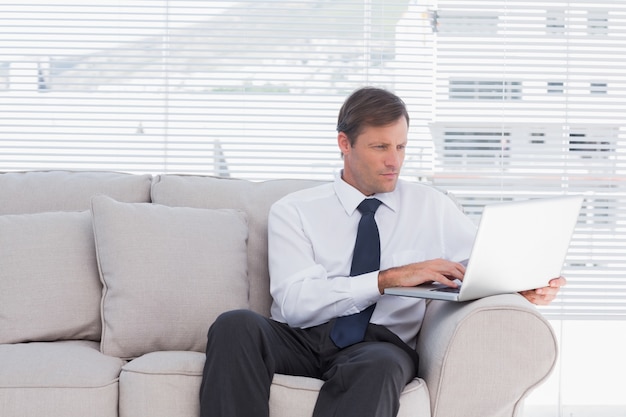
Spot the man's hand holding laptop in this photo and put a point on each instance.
(545, 295)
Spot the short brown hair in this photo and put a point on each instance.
(369, 106)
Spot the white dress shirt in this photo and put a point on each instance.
(311, 240)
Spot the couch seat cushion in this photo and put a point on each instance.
(65, 378)
(163, 384)
(295, 396)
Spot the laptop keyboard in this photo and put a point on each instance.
(447, 289)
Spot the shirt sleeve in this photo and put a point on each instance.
(303, 293)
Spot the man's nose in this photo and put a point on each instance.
(394, 158)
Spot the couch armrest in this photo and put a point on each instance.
(481, 358)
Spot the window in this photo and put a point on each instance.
(555, 21)
(598, 22)
(485, 90)
(174, 86)
(475, 146)
(243, 90)
(535, 110)
(555, 87)
(598, 88)
(466, 22)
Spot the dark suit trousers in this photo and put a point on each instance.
(245, 349)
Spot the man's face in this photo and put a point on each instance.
(373, 164)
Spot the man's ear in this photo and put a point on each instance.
(344, 143)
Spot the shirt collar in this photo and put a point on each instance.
(350, 197)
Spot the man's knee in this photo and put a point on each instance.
(234, 324)
(387, 362)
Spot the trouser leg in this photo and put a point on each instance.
(236, 377)
(244, 350)
(366, 380)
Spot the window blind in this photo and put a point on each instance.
(508, 99)
(530, 101)
(246, 89)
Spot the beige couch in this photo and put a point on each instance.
(109, 282)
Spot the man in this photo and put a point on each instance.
(318, 299)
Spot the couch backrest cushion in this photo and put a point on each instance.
(255, 198)
(49, 283)
(168, 272)
(40, 191)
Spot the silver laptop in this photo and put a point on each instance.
(519, 246)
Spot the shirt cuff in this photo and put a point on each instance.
(365, 289)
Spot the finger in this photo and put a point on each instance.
(544, 300)
(531, 296)
(550, 290)
(446, 280)
(558, 282)
(460, 268)
(454, 270)
(540, 296)
(547, 293)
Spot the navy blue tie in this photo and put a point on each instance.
(349, 330)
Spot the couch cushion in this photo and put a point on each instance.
(296, 396)
(163, 384)
(167, 274)
(70, 379)
(49, 283)
(255, 198)
(40, 191)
